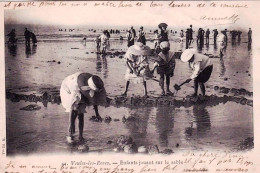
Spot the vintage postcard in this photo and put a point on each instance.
(129, 86)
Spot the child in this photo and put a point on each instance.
(78, 91)
(137, 65)
(104, 38)
(202, 68)
(165, 65)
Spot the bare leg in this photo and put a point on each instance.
(73, 116)
(202, 87)
(126, 88)
(81, 125)
(168, 85)
(97, 114)
(145, 89)
(162, 84)
(196, 85)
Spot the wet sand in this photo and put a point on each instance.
(200, 126)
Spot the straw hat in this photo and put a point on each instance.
(139, 49)
(187, 54)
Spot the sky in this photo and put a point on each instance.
(140, 16)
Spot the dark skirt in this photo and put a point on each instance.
(205, 74)
(130, 43)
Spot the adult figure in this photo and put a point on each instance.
(249, 35)
(78, 91)
(207, 36)
(201, 66)
(181, 35)
(104, 41)
(34, 39)
(202, 32)
(141, 36)
(27, 36)
(215, 31)
(130, 38)
(163, 33)
(12, 37)
(190, 35)
(222, 39)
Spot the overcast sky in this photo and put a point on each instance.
(145, 15)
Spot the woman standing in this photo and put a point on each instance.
(141, 36)
(130, 38)
(201, 66)
(137, 65)
(78, 91)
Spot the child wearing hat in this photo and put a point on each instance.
(137, 65)
(202, 68)
(78, 91)
(165, 65)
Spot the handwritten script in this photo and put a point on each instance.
(187, 162)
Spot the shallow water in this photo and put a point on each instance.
(220, 127)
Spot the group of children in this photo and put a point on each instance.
(84, 89)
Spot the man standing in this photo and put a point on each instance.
(190, 34)
(27, 35)
(207, 36)
(215, 35)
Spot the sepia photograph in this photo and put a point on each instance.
(95, 83)
(154, 78)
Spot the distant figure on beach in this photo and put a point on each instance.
(165, 64)
(201, 34)
(190, 32)
(198, 35)
(239, 35)
(130, 38)
(233, 36)
(215, 34)
(34, 39)
(98, 43)
(27, 35)
(104, 38)
(141, 36)
(207, 36)
(202, 69)
(84, 40)
(156, 39)
(222, 39)
(12, 37)
(249, 35)
(133, 31)
(163, 33)
(181, 36)
(137, 66)
(187, 34)
(78, 91)
(225, 33)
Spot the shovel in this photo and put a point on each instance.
(178, 87)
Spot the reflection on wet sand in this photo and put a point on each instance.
(164, 123)
(28, 51)
(202, 121)
(222, 66)
(12, 50)
(101, 65)
(138, 127)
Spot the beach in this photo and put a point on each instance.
(200, 126)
